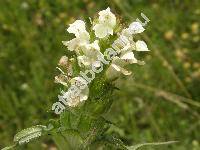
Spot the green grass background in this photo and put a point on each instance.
(160, 102)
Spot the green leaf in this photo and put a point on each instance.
(9, 147)
(67, 139)
(69, 120)
(65, 119)
(96, 129)
(135, 147)
(113, 141)
(28, 134)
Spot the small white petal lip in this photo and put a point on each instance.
(141, 46)
(129, 57)
(136, 27)
(73, 44)
(102, 31)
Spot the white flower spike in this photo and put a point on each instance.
(88, 52)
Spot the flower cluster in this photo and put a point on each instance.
(89, 55)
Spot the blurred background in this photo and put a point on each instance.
(160, 102)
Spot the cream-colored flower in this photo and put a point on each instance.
(82, 37)
(66, 71)
(91, 53)
(62, 79)
(102, 30)
(135, 28)
(106, 23)
(129, 44)
(129, 57)
(107, 17)
(77, 28)
(124, 43)
(66, 64)
(116, 68)
(141, 46)
(127, 33)
(119, 62)
(76, 43)
(74, 101)
(78, 93)
(64, 61)
(125, 55)
(79, 82)
(82, 97)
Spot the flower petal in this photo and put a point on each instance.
(84, 94)
(101, 30)
(136, 27)
(72, 44)
(83, 60)
(77, 27)
(141, 46)
(129, 57)
(107, 17)
(122, 70)
(97, 64)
